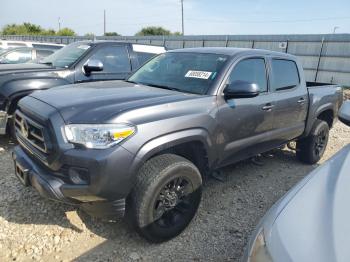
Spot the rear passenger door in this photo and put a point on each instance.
(291, 99)
(246, 122)
(115, 60)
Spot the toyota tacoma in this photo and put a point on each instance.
(141, 147)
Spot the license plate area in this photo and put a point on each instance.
(22, 173)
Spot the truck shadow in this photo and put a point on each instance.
(228, 213)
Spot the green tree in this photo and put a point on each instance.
(90, 35)
(25, 29)
(153, 30)
(112, 34)
(66, 32)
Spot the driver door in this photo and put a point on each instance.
(116, 64)
(246, 122)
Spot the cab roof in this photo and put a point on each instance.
(232, 51)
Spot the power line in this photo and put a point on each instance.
(267, 21)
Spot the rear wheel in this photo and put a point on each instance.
(165, 198)
(311, 149)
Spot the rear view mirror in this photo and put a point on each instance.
(344, 113)
(241, 89)
(93, 65)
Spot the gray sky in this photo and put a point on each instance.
(201, 16)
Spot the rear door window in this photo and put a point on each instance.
(285, 74)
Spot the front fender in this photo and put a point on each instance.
(167, 141)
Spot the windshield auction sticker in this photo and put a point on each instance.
(198, 74)
(85, 47)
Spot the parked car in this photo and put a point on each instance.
(142, 146)
(8, 44)
(78, 62)
(311, 222)
(24, 54)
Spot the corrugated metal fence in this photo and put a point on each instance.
(326, 58)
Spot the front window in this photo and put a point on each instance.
(251, 70)
(115, 59)
(185, 72)
(66, 56)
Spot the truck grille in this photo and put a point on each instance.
(31, 132)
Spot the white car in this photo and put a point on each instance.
(6, 44)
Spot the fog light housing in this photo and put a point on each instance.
(79, 176)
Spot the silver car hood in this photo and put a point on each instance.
(312, 222)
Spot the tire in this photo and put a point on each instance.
(165, 198)
(311, 149)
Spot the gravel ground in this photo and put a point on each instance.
(32, 228)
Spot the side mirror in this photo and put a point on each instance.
(93, 65)
(241, 89)
(344, 113)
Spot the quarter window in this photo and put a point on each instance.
(115, 59)
(285, 75)
(251, 70)
(19, 56)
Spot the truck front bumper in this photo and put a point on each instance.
(51, 186)
(3, 122)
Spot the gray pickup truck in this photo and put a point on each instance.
(141, 147)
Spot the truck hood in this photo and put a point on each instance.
(23, 68)
(315, 222)
(102, 102)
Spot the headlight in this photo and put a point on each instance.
(98, 136)
(259, 252)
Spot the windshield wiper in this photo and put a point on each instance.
(162, 86)
(46, 63)
(132, 82)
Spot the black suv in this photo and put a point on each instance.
(78, 62)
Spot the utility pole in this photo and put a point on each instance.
(104, 22)
(182, 15)
(59, 24)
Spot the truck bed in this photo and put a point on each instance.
(318, 84)
(323, 97)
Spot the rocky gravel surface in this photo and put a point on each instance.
(35, 229)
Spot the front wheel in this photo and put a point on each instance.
(311, 149)
(165, 198)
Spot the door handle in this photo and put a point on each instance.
(267, 107)
(301, 100)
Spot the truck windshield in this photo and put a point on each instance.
(184, 72)
(67, 55)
